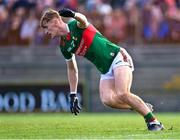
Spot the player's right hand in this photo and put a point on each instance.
(74, 104)
(66, 13)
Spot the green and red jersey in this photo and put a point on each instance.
(90, 44)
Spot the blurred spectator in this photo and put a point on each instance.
(173, 14)
(104, 7)
(9, 4)
(72, 4)
(118, 3)
(133, 21)
(155, 27)
(97, 20)
(4, 25)
(47, 3)
(14, 30)
(175, 30)
(133, 15)
(28, 29)
(116, 26)
(20, 3)
(39, 37)
(91, 5)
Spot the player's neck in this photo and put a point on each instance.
(64, 29)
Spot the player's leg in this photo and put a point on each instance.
(123, 80)
(108, 95)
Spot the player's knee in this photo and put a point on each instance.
(123, 96)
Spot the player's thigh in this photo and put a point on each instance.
(123, 79)
(108, 93)
(106, 89)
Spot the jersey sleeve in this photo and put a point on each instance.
(67, 55)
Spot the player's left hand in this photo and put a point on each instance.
(66, 13)
(74, 104)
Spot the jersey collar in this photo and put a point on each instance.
(68, 36)
(68, 33)
(67, 27)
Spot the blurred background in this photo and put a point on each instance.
(33, 71)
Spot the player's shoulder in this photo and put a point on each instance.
(72, 22)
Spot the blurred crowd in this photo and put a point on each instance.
(132, 21)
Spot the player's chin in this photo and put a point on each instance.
(53, 36)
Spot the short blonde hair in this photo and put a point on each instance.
(47, 16)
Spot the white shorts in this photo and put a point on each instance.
(122, 59)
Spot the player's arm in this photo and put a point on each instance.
(72, 72)
(82, 20)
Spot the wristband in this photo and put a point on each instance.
(73, 92)
(74, 15)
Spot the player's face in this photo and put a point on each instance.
(53, 28)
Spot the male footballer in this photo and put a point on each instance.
(115, 64)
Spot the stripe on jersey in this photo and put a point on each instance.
(86, 41)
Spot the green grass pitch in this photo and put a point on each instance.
(85, 126)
